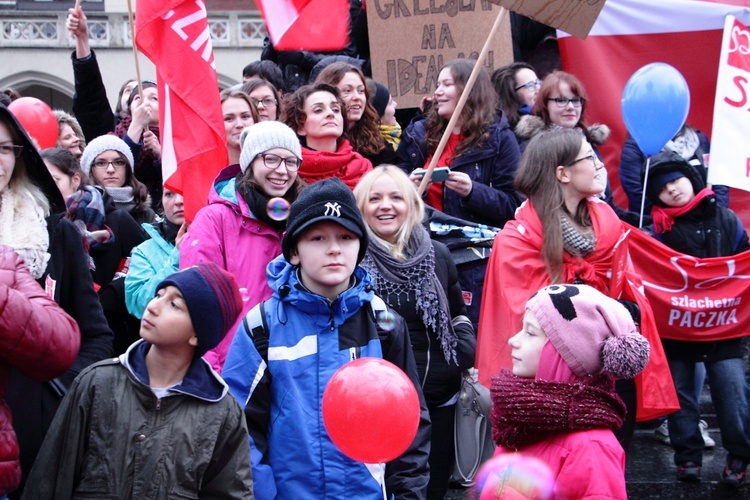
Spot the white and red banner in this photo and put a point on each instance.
(693, 299)
(730, 147)
(174, 35)
(629, 34)
(317, 25)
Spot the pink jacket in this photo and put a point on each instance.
(37, 337)
(585, 464)
(227, 233)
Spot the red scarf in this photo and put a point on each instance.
(664, 216)
(516, 270)
(345, 163)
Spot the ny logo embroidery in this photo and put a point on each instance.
(333, 209)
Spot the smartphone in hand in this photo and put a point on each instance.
(439, 174)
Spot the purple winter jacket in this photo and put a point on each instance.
(227, 233)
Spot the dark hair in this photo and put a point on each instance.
(146, 84)
(238, 94)
(364, 134)
(266, 70)
(550, 85)
(536, 178)
(118, 107)
(294, 105)
(504, 81)
(140, 191)
(255, 83)
(65, 161)
(479, 111)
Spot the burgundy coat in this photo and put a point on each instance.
(37, 337)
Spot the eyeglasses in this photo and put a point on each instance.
(592, 158)
(104, 164)
(272, 161)
(11, 149)
(267, 102)
(562, 102)
(529, 85)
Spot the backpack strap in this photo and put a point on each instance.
(256, 328)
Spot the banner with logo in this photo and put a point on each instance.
(730, 147)
(693, 299)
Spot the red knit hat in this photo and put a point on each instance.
(592, 332)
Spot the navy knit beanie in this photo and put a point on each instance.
(213, 300)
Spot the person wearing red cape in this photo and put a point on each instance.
(563, 233)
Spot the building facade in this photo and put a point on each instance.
(35, 47)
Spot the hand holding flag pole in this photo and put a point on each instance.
(461, 102)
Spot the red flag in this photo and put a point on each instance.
(683, 33)
(174, 35)
(693, 299)
(319, 25)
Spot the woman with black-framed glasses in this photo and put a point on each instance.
(565, 234)
(241, 228)
(266, 98)
(517, 87)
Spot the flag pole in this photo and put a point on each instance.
(135, 50)
(461, 101)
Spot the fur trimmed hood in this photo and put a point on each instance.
(530, 125)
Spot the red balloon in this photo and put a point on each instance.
(371, 410)
(38, 120)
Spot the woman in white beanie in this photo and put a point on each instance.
(241, 228)
(108, 162)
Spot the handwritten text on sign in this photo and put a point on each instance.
(411, 40)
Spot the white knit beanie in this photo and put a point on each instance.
(262, 136)
(101, 144)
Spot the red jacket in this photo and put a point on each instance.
(516, 270)
(37, 337)
(585, 465)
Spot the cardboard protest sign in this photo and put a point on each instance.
(572, 16)
(730, 151)
(411, 41)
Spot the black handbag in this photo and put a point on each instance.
(472, 431)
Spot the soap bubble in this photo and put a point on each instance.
(508, 475)
(386, 320)
(278, 208)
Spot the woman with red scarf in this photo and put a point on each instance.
(564, 233)
(316, 113)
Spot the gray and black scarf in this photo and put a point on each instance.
(397, 277)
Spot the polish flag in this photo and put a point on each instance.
(174, 35)
(632, 33)
(316, 25)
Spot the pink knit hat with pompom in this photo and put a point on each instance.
(592, 332)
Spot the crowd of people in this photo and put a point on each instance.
(148, 356)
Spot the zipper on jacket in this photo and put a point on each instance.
(427, 365)
(157, 409)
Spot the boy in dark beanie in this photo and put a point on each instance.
(156, 422)
(322, 315)
(688, 220)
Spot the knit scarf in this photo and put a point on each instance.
(576, 242)
(123, 197)
(664, 216)
(526, 411)
(23, 227)
(345, 163)
(392, 134)
(396, 277)
(86, 211)
(257, 202)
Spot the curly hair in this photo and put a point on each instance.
(364, 134)
(294, 105)
(478, 114)
(536, 178)
(504, 81)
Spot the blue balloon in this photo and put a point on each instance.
(655, 105)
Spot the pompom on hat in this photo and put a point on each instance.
(591, 332)
(262, 136)
(213, 301)
(100, 145)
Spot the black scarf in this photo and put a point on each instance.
(257, 202)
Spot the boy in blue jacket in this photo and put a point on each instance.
(156, 422)
(321, 316)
